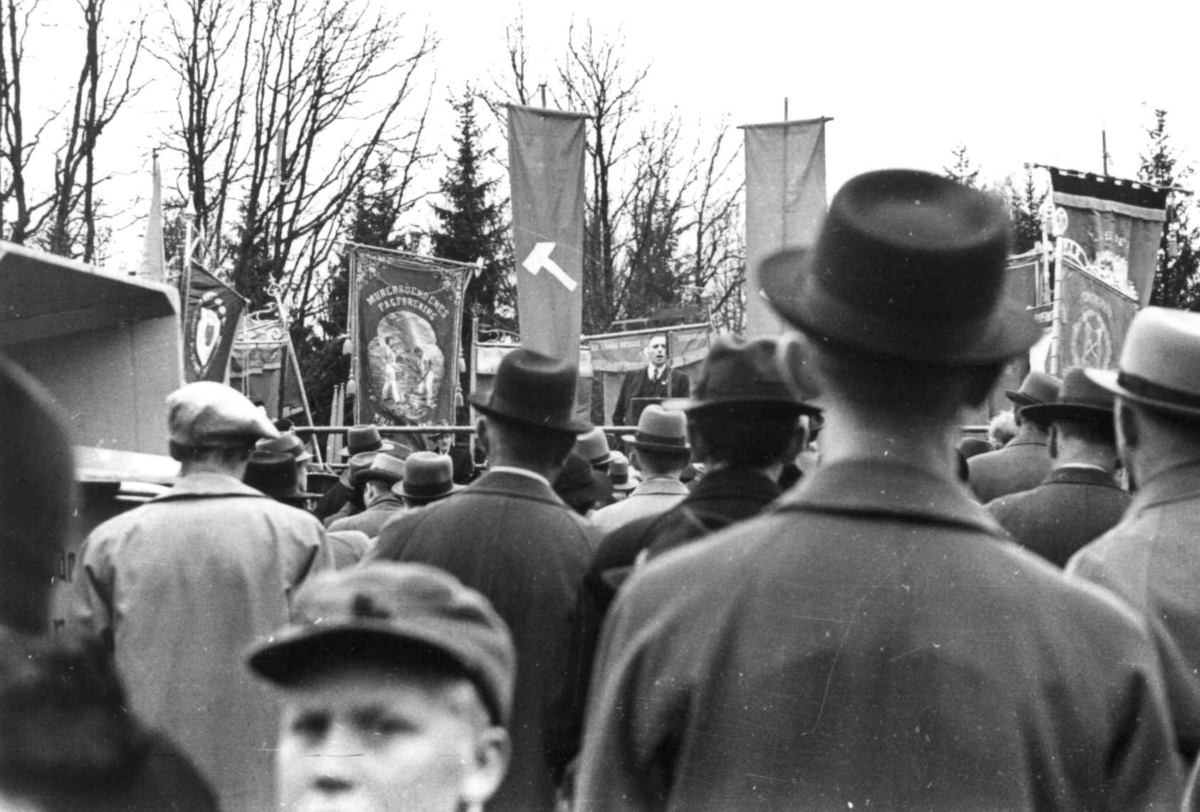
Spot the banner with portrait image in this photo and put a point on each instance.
(406, 313)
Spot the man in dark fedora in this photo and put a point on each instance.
(1151, 558)
(661, 452)
(1081, 499)
(181, 585)
(649, 384)
(872, 641)
(1025, 460)
(380, 504)
(511, 537)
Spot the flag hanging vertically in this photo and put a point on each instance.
(1110, 227)
(785, 202)
(405, 321)
(153, 266)
(213, 310)
(545, 165)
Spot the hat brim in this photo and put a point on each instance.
(632, 441)
(695, 405)
(386, 445)
(376, 476)
(1021, 399)
(788, 282)
(296, 652)
(624, 487)
(1107, 378)
(573, 425)
(1047, 412)
(398, 490)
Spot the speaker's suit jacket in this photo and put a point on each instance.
(512, 538)
(637, 384)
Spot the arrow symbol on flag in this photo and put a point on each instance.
(539, 258)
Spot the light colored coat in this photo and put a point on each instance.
(182, 586)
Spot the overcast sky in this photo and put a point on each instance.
(904, 82)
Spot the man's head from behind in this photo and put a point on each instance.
(1158, 394)
(1081, 420)
(396, 682)
(214, 427)
(902, 298)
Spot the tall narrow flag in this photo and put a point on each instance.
(785, 202)
(153, 264)
(1110, 227)
(545, 165)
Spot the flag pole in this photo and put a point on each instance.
(295, 362)
(1055, 361)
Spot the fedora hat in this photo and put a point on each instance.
(427, 477)
(274, 473)
(1160, 363)
(1036, 389)
(660, 430)
(577, 483)
(593, 447)
(534, 390)
(360, 439)
(907, 264)
(738, 372)
(384, 468)
(391, 612)
(618, 473)
(1079, 399)
(286, 443)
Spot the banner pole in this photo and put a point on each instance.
(351, 388)
(1056, 311)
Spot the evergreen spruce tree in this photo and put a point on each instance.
(1176, 283)
(1025, 207)
(471, 228)
(963, 170)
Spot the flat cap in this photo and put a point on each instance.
(205, 414)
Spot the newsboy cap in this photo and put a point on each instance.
(205, 414)
(393, 612)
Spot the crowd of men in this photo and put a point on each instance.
(801, 589)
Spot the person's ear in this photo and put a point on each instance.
(1053, 442)
(487, 768)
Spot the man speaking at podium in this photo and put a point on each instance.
(652, 384)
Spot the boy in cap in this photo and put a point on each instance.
(1151, 558)
(870, 641)
(179, 586)
(396, 683)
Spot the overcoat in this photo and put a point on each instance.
(872, 642)
(182, 586)
(655, 495)
(1019, 466)
(1152, 561)
(512, 538)
(371, 521)
(1072, 506)
(637, 384)
(719, 499)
